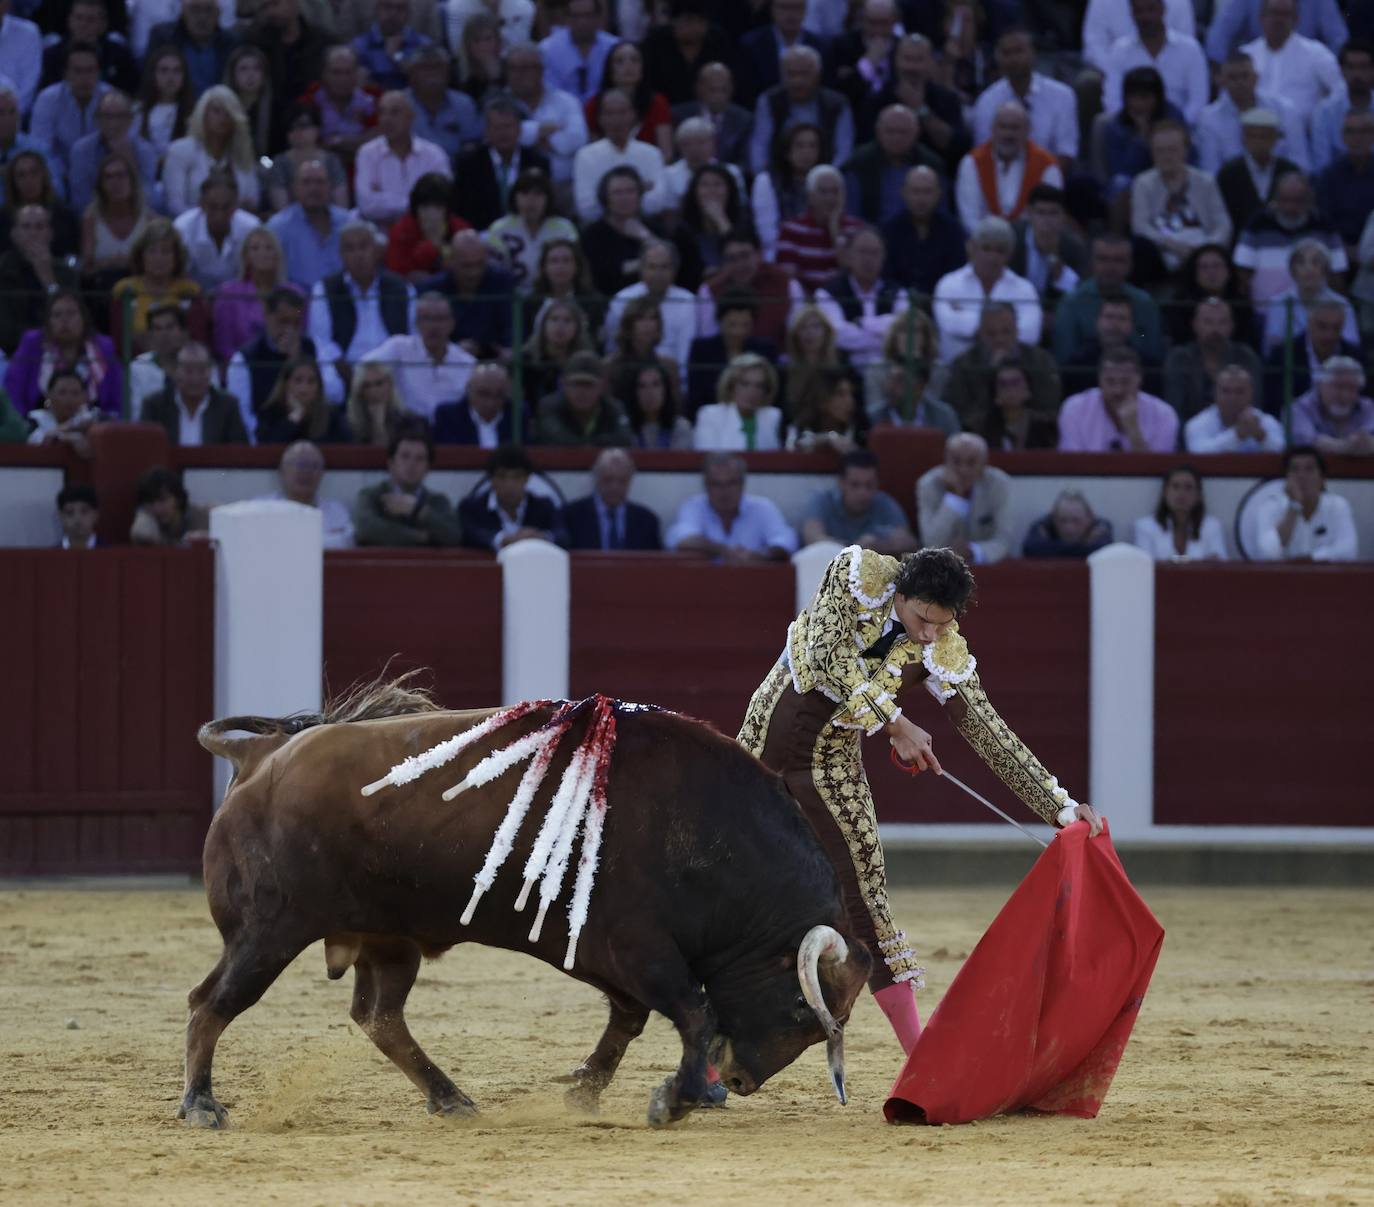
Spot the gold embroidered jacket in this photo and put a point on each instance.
(825, 652)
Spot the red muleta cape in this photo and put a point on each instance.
(1040, 1013)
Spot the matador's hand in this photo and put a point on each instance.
(1089, 814)
(913, 745)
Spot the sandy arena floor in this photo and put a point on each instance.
(1250, 1078)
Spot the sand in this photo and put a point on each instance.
(1250, 1078)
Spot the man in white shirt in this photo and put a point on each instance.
(149, 371)
(1217, 135)
(1233, 424)
(214, 232)
(1107, 20)
(372, 297)
(658, 264)
(997, 176)
(1177, 57)
(619, 146)
(387, 167)
(1299, 69)
(961, 295)
(429, 368)
(21, 55)
(1307, 522)
(728, 525)
(299, 473)
(554, 121)
(856, 303)
(1050, 105)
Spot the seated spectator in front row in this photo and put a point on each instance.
(1307, 522)
(963, 503)
(402, 511)
(65, 414)
(1071, 529)
(727, 524)
(581, 412)
(1180, 529)
(856, 512)
(509, 512)
(298, 480)
(190, 408)
(1232, 424)
(745, 418)
(430, 369)
(606, 518)
(485, 415)
(1191, 370)
(1116, 415)
(164, 514)
(298, 410)
(1335, 417)
(78, 511)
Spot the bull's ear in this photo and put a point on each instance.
(844, 979)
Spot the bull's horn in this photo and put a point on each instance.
(834, 1055)
(822, 944)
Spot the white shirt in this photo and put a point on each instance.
(187, 164)
(1181, 64)
(862, 339)
(334, 516)
(759, 525)
(1107, 20)
(488, 430)
(719, 428)
(968, 189)
(1050, 105)
(191, 427)
(383, 179)
(679, 311)
(559, 108)
(1217, 133)
(1159, 542)
(516, 17)
(211, 265)
(1205, 433)
(959, 300)
(1329, 536)
(594, 160)
(422, 384)
(1302, 71)
(370, 331)
(21, 58)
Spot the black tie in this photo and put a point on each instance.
(880, 648)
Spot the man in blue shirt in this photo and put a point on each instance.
(856, 512)
(575, 54)
(21, 55)
(309, 229)
(65, 112)
(447, 118)
(727, 524)
(114, 117)
(384, 49)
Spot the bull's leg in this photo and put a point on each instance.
(383, 976)
(695, 1021)
(594, 1074)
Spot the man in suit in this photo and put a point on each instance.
(483, 416)
(508, 512)
(1312, 349)
(484, 177)
(193, 412)
(1048, 254)
(733, 124)
(761, 49)
(924, 242)
(1247, 181)
(606, 519)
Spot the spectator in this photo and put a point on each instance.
(444, 116)
(875, 173)
(1176, 56)
(808, 246)
(217, 137)
(1307, 522)
(29, 181)
(924, 241)
(246, 76)
(1075, 320)
(606, 518)
(303, 136)
(1335, 417)
(861, 56)
(430, 369)
(1345, 188)
(1219, 132)
(745, 417)
(762, 49)
(1239, 21)
(1012, 423)
(711, 209)
(1071, 529)
(375, 411)
(780, 194)
(1309, 267)
(520, 236)
(1232, 424)
(388, 43)
(856, 512)
(638, 340)
(617, 148)
(1050, 105)
(254, 369)
(1247, 181)
(564, 276)
(1117, 415)
(1191, 370)
(709, 354)
(1120, 139)
(560, 332)
(904, 400)
(13, 140)
(1356, 59)
(1263, 247)
(552, 123)
(624, 72)
(164, 515)
(651, 404)
(726, 523)
(1205, 275)
(200, 37)
(800, 97)
(78, 511)
(113, 134)
(963, 503)
(479, 57)
(150, 371)
(418, 243)
(66, 340)
(297, 408)
(166, 98)
(575, 54)
(1180, 529)
(295, 49)
(997, 176)
(191, 410)
(21, 55)
(963, 65)
(658, 267)
(581, 413)
(159, 261)
(214, 231)
(239, 305)
(348, 108)
(612, 243)
(479, 293)
(352, 312)
(1298, 68)
(744, 270)
(810, 348)
(299, 473)
(827, 415)
(28, 271)
(915, 337)
(65, 413)
(1112, 330)
(388, 166)
(509, 512)
(1176, 208)
(961, 295)
(514, 19)
(488, 176)
(402, 511)
(731, 124)
(1321, 341)
(485, 417)
(857, 303)
(63, 112)
(1048, 254)
(113, 222)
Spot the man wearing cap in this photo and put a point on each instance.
(1247, 181)
(580, 412)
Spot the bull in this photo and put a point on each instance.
(715, 904)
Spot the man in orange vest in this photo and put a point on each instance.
(996, 177)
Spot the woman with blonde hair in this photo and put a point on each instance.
(217, 137)
(374, 408)
(239, 306)
(297, 409)
(810, 346)
(158, 259)
(116, 216)
(745, 419)
(560, 331)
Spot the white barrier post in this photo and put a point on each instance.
(1121, 694)
(269, 608)
(536, 621)
(810, 564)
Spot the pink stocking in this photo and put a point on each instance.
(898, 1002)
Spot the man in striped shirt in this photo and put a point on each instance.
(808, 245)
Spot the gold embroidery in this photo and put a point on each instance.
(754, 732)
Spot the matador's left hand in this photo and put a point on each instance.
(1089, 814)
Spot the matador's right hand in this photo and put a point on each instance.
(913, 745)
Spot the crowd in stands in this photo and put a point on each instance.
(671, 224)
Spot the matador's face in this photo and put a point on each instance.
(923, 621)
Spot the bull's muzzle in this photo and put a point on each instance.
(822, 946)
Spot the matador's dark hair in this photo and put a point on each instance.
(938, 575)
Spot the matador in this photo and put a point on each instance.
(874, 620)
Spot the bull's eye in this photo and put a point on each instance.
(801, 1002)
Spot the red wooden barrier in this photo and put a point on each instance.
(108, 665)
(1264, 689)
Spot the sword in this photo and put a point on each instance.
(912, 769)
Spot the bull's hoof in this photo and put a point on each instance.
(460, 1107)
(666, 1106)
(201, 1110)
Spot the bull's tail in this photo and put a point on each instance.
(214, 737)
